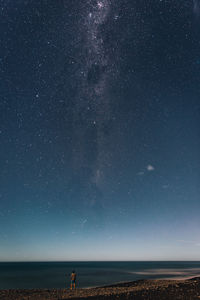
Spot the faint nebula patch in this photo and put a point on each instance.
(196, 7)
(150, 168)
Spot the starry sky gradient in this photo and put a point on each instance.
(99, 130)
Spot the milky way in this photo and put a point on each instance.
(92, 108)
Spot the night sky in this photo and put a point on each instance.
(99, 131)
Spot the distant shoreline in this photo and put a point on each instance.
(158, 289)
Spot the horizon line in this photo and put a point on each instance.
(77, 261)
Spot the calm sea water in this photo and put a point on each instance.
(57, 274)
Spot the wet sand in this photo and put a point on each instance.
(137, 290)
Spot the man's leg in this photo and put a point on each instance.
(74, 285)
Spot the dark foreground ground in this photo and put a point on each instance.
(137, 290)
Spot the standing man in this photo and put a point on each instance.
(73, 280)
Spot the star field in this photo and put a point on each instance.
(99, 130)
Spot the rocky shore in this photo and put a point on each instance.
(137, 290)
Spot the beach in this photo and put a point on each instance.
(138, 290)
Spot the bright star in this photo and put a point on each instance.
(100, 4)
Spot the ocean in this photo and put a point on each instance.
(29, 275)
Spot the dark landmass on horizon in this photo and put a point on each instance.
(159, 289)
